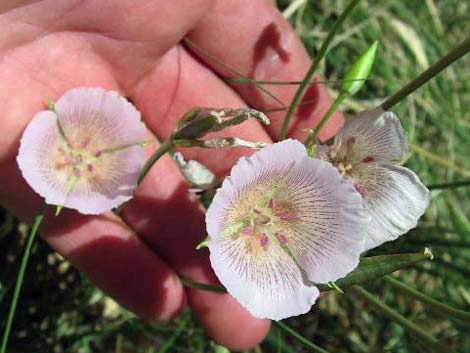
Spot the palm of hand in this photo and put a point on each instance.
(132, 47)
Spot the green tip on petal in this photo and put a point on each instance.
(58, 210)
(203, 244)
(334, 286)
(360, 71)
(50, 104)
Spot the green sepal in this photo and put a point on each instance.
(377, 266)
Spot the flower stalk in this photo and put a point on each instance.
(19, 280)
(315, 64)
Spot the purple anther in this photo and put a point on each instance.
(361, 190)
(264, 240)
(282, 238)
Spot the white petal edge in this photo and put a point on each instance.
(107, 113)
(275, 292)
(396, 201)
(41, 132)
(377, 134)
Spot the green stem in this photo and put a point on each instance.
(415, 330)
(452, 185)
(282, 83)
(430, 302)
(201, 51)
(19, 281)
(313, 136)
(164, 148)
(316, 63)
(203, 286)
(313, 347)
(432, 71)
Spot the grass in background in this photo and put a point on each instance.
(60, 311)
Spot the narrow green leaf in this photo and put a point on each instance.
(369, 268)
(360, 71)
(310, 345)
(424, 337)
(377, 266)
(429, 302)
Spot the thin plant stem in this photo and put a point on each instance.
(324, 120)
(201, 51)
(313, 347)
(282, 83)
(313, 68)
(424, 337)
(164, 148)
(19, 280)
(203, 286)
(430, 302)
(451, 185)
(455, 54)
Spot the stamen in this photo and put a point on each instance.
(282, 238)
(264, 240)
(90, 168)
(361, 190)
(248, 231)
(350, 141)
(262, 219)
(288, 217)
(271, 203)
(85, 142)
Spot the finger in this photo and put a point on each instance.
(253, 38)
(165, 213)
(104, 248)
(128, 35)
(180, 83)
(172, 222)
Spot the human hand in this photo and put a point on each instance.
(48, 47)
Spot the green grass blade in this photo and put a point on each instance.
(19, 281)
(432, 71)
(311, 346)
(313, 68)
(179, 330)
(451, 185)
(430, 302)
(424, 337)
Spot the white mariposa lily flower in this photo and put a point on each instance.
(280, 223)
(84, 154)
(366, 151)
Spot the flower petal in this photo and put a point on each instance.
(101, 118)
(395, 198)
(79, 156)
(248, 172)
(34, 160)
(268, 285)
(373, 136)
(280, 221)
(326, 238)
(113, 183)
